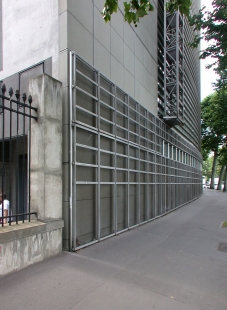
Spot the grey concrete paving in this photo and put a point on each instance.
(170, 263)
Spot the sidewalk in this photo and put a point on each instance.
(172, 263)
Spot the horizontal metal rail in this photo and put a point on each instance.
(17, 216)
(134, 168)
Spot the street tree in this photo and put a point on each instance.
(223, 173)
(213, 127)
(222, 162)
(207, 167)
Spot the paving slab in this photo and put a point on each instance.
(173, 262)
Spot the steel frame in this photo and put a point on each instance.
(174, 69)
(126, 147)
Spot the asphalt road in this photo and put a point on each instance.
(177, 262)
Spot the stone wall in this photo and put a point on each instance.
(27, 243)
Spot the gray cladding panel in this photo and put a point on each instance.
(85, 217)
(85, 192)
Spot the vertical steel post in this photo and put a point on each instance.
(73, 152)
(177, 65)
(71, 245)
(147, 171)
(183, 68)
(24, 97)
(95, 184)
(98, 194)
(29, 159)
(138, 164)
(128, 173)
(17, 164)
(3, 150)
(115, 160)
(10, 159)
(165, 53)
(71, 124)
(155, 169)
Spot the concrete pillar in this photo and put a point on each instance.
(46, 148)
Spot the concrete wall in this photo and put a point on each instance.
(46, 148)
(28, 243)
(29, 34)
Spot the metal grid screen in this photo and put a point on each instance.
(128, 167)
(173, 33)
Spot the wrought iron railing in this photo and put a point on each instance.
(15, 152)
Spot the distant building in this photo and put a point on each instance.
(130, 108)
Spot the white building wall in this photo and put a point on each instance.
(30, 34)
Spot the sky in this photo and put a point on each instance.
(207, 75)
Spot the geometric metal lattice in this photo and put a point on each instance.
(127, 166)
(173, 69)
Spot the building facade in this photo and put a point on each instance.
(130, 108)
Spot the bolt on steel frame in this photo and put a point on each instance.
(127, 166)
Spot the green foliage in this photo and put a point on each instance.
(213, 125)
(207, 167)
(222, 160)
(182, 5)
(136, 9)
(213, 27)
(214, 129)
(133, 10)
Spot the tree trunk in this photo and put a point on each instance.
(221, 178)
(213, 170)
(225, 184)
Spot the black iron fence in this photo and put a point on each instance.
(15, 153)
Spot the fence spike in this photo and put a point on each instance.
(30, 99)
(3, 88)
(10, 92)
(17, 94)
(24, 97)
